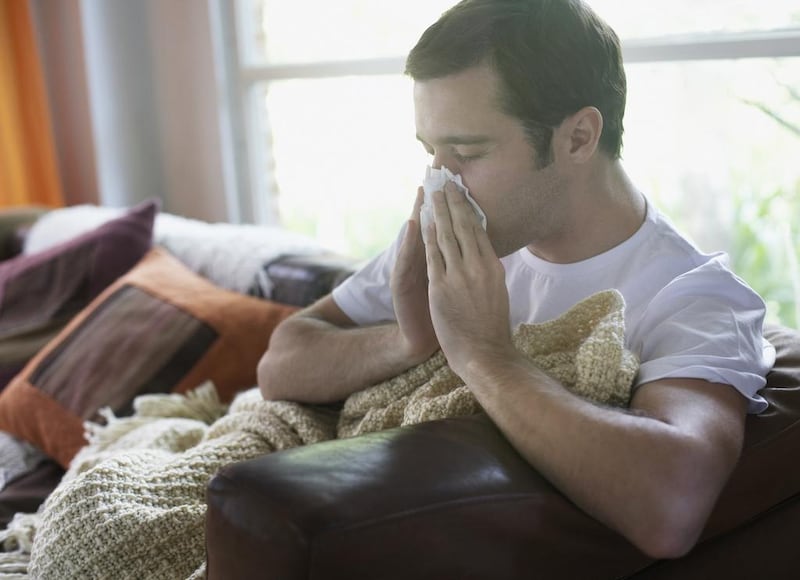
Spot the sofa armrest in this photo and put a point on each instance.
(452, 499)
(446, 499)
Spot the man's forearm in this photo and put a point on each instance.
(312, 361)
(650, 476)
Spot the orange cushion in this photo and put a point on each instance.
(159, 328)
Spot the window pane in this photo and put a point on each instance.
(715, 145)
(347, 162)
(326, 30)
(638, 19)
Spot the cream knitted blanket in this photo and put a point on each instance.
(132, 504)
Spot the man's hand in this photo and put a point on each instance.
(410, 293)
(467, 293)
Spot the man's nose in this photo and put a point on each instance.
(441, 160)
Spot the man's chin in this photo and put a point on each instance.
(504, 247)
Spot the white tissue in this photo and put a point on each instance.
(435, 180)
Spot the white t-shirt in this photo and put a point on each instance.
(686, 315)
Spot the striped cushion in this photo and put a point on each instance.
(40, 293)
(159, 328)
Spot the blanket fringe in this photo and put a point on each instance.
(201, 404)
(14, 566)
(16, 541)
(18, 535)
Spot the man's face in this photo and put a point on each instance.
(459, 122)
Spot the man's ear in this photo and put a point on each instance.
(579, 134)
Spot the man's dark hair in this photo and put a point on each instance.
(553, 58)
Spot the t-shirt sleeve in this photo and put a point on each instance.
(366, 296)
(706, 324)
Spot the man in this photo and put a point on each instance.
(524, 99)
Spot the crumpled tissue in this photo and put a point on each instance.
(435, 180)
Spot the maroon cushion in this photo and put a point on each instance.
(40, 293)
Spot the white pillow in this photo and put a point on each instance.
(60, 225)
(230, 255)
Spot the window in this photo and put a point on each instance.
(712, 126)
(716, 152)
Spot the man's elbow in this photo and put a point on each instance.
(265, 373)
(272, 367)
(667, 540)
(678, 515)
(680, 503)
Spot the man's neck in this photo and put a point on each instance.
(606, 210)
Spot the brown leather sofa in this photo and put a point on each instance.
(452, 500)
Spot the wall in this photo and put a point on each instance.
(186, 97)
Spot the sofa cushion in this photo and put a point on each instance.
(159, 328)
(765, 476)
(39, 293)
(26, 493)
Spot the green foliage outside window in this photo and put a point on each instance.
(766, 233)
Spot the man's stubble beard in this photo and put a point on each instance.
(538, 215)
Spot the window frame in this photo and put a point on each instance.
(252, 194)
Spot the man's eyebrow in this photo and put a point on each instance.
(460, 140)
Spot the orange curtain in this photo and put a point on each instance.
(28, 168)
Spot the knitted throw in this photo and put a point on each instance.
(132, 504)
